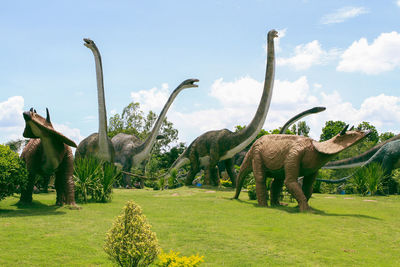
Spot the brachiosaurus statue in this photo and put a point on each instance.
(130, 151)
(47, 152)
(287, 157)
(221, 145)
(386, 153)
(97, 144)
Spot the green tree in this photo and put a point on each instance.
(132, 121)
(385, 136)
(331, 129)
(373, 136)
(300, 129)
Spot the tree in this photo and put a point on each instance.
(373, 136)
(331, 129)
(132, 121)
(301, 129)
(385, 136)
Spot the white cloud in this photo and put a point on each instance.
(342, 14)
(11, 120)
(289, 98)
(307, 55)
(398, 3)
(153, 99)
(380, 56)
(72, 133)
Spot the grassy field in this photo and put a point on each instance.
(346, 230)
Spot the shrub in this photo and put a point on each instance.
(173, 259)
(108, 176)
(368, 179)
(172, 179)
(86, 171)
(225, 183)
(94, 178)
(251, 191)
(13, 173)
(130, 241)
(375, 175)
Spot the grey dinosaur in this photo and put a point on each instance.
(287, 157)
(130, 151)
(221, 145)
(386, 153)
(47, 152)
(97, 144)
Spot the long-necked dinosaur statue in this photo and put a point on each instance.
(97, 144)
(130, 151)
(46, 153)
(221, 145)
(386, 153)
(287, 157)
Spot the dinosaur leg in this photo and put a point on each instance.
(259, 175)
(66, 187)
(276, 189)
(291, 174)
(231, 171)
(308, 182)
(26, 193)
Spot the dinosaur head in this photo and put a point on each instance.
(90, 44)
(341, 141)
(272, 34)
(189, 83)
(38, 127)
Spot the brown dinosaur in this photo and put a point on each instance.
(287, 157)
(47, 153)
(221, 145)
(98, 144)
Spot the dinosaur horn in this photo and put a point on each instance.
(352, 128)
(343, 132)
(47, 116)
(31, 110)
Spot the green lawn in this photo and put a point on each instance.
(346, 230)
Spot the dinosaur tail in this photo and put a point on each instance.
(245, 169)
(338, 181)
(182, 160)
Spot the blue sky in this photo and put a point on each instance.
(344, 55)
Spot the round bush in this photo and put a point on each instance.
(13, 173)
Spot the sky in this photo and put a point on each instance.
(344, 55)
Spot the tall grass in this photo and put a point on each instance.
(368, 179)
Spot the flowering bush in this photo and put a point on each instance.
(130, 241)
(172, 259)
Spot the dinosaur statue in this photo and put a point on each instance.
(238, 158)
(287, 157)
(47, 152)
(130, 151)
(221, 145)
(386, 153)
(97, 144)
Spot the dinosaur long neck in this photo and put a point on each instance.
(360, 159)
(103, 141)
(298, 117)
(244, 137)
(143, 150)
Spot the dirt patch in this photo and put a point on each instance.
(211, 191)
(330, 197)
(349, 198)
(175, 194)
(370, 200)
